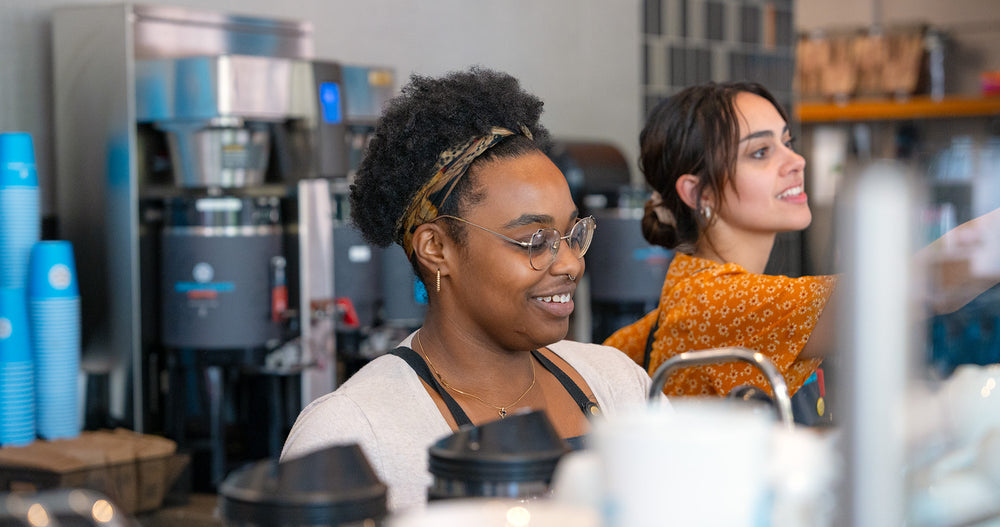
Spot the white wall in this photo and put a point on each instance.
(580, 56)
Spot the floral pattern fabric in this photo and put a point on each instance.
(705, 304)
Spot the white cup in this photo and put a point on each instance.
(705, 462)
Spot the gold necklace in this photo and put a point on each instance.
(501, 410)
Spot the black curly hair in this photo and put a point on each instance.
(429, 116)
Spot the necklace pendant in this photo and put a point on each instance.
(503, 413)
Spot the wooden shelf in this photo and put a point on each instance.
(920, 107)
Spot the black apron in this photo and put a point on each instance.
(416, 362)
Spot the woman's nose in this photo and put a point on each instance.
(566, 260)
(796, 161)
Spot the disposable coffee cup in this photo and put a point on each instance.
(54, 318)
(17, 160)
(17, 390)
(20, 223)
(53, 270)
(676, 468)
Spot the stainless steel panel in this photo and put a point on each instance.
(95, 188)
(316, 300)
(212, 87)
(165, 31)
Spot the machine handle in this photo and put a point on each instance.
(350, 315)
(783, 402)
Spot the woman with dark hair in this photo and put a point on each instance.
(726, 181)
(457, 175)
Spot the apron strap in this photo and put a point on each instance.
(416, 362)
(419, 367)
(587, 406)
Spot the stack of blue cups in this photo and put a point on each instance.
(17, 387)
(54, 318)
(20, 225)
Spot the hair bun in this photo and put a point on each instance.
(657, 231)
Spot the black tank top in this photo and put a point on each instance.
(416, 362)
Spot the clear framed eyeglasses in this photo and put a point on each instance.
(545, 243)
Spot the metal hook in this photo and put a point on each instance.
(783, 402)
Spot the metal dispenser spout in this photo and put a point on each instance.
(783, 402)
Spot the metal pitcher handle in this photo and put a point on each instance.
(783, 402)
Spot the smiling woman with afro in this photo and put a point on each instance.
(456, 173)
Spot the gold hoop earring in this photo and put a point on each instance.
(438, 286)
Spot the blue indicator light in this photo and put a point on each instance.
(329, 102)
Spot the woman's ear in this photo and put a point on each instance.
(687, 189)
(430, 246)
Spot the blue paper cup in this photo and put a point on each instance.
(17, 398)
(54, 316)
(55, 326)
(17, 387)
(20, 220)
(52, 270)
(15, 341)
(57, 396)
(17, 160)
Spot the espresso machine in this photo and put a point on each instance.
(198, 157)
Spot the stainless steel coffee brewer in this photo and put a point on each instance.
(196, 152)
(227, 151)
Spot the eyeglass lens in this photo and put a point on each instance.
(546, 242)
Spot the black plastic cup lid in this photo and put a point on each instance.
(328, 487)
(522, 447)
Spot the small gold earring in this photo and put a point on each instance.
(438, 287)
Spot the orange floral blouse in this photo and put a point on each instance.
(705, 304)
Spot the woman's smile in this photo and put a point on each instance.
(796, 194)
(558, 305)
